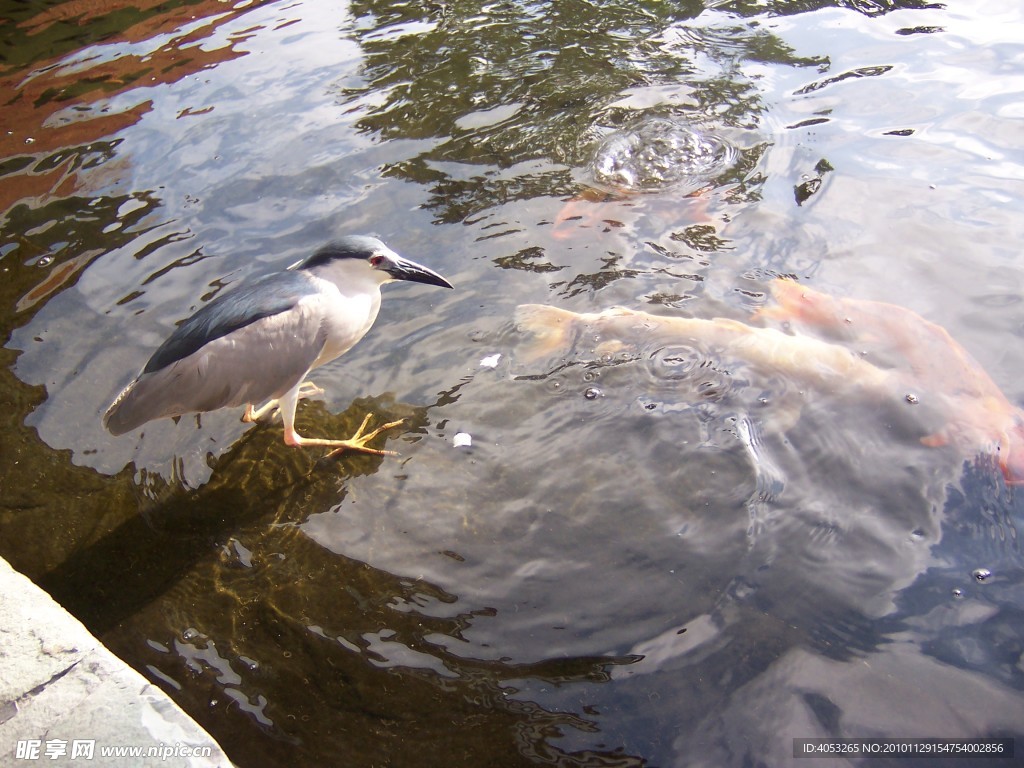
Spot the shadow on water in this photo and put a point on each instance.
(982, 538)
(259, 482)
(289, 651)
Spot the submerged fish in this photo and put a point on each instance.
(977, 416)
(806, 360)
(632, 168)
(591, 209)
(923, 363)
(603, 211)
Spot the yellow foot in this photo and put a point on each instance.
(358, 441)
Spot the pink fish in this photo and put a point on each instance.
(978, 416)
(596, 209)
(591, 209)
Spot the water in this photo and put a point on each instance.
(621, 560)
(656, 155)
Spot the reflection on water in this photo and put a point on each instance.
(642, 557)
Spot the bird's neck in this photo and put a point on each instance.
(348, 310)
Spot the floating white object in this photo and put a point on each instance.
(462, 440)
(491, 361)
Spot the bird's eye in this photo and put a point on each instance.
(376, 261)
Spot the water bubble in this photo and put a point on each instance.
(592, 393)
(912, 398)
(981, 575)
(659, 153)
(957, 592)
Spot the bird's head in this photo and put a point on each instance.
(358, 255)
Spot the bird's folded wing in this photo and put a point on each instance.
(253, 363)
(247, 304)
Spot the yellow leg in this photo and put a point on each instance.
(255, 414)
(306, 389)
(358, 441)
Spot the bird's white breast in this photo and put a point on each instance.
(346, 313)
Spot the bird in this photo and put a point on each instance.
(258, 342)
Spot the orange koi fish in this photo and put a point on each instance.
(978, 416)
(596, 209)
(590, 209)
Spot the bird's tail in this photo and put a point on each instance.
(119, 417)
(550, 327)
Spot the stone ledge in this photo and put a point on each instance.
(60, 689)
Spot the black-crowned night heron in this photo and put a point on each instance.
(259, 341)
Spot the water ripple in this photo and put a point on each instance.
(658, 154)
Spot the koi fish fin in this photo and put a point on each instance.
(780, 413)
(776, 313)
(1008, 445)
(935, 441)
(1011, 452)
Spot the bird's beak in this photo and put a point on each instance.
(403, 269)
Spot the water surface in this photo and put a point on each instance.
(637, 561)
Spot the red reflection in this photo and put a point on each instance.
(66, 103)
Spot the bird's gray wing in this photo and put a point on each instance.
(250, 363)
(246, 304)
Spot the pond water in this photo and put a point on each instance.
(644, 556)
